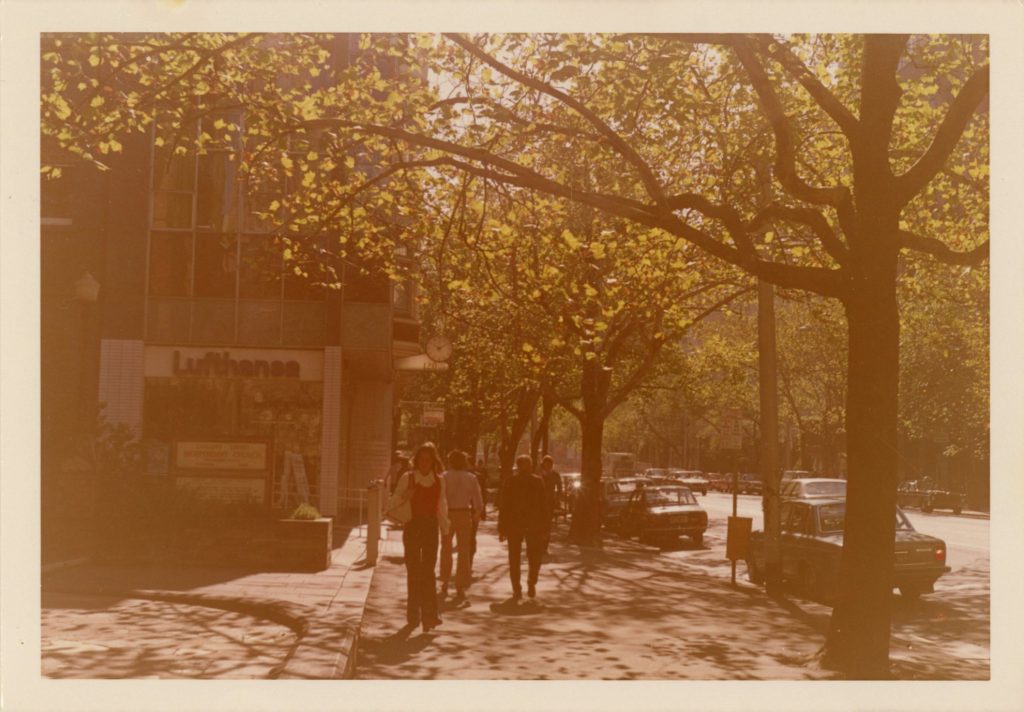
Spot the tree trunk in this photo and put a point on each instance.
(858, 639)
(585, 528)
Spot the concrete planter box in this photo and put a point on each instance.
(303, 544)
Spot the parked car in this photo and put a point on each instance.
(615, 493)
(750, 483)
(796, 475)
(655, 472)
(694, 479)
(927, 496)
(719, 482)
(813, 488)
(663, 512)
(812, 543)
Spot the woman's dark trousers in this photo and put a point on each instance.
(420, 537)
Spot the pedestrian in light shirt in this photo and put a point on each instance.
(465, 508)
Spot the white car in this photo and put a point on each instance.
(813, 488)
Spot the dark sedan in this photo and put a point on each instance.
(663, 512)
(812, 542)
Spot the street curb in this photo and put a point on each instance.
(330, 651)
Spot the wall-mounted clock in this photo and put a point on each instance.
(439, 348)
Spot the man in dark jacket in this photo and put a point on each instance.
(524, 515)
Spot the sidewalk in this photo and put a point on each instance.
(164, 621)
(624, 612)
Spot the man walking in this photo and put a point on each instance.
(553, 489)
(465, 508)
(523, 516)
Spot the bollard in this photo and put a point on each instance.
(373, 506)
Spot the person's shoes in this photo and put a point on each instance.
(429, 625)
(444, 590)
(531, 591)
(460, 595)
(517, 593)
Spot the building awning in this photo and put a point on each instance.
(419, 362)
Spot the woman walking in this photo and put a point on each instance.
(423, 488)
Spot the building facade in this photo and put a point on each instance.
(200, 336)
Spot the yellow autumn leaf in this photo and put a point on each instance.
(307, 179)
(287, 162)
(96, 101)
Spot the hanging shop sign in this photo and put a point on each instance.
(278, 364)
(223, 470)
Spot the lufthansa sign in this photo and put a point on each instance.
(285, 364)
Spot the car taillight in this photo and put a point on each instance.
(940, 555)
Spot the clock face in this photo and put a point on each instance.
(439, 348)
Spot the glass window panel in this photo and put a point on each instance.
(170, 262)
(372, 285)
(215, 201)
(173, 171)
(168, 321)
(259, 322)
(216, 265)
(172, 210)
(260, 268)
(213, 322)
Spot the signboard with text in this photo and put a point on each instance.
(224, 470)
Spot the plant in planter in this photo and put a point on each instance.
(303, 540)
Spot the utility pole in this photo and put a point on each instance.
(770, 474)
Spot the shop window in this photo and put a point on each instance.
(170, 263)
(216, 260)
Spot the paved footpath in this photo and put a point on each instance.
(624, 612)
(105, 621)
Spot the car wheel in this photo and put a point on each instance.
(754, 572)
(698, 538)
(810, 583)
(911, 591)
(927, 508)
(957, 510)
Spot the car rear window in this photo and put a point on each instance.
(832, 519)
(669, 495)
(819, 489)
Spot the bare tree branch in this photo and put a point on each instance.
(804, 216)
(942, 251)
